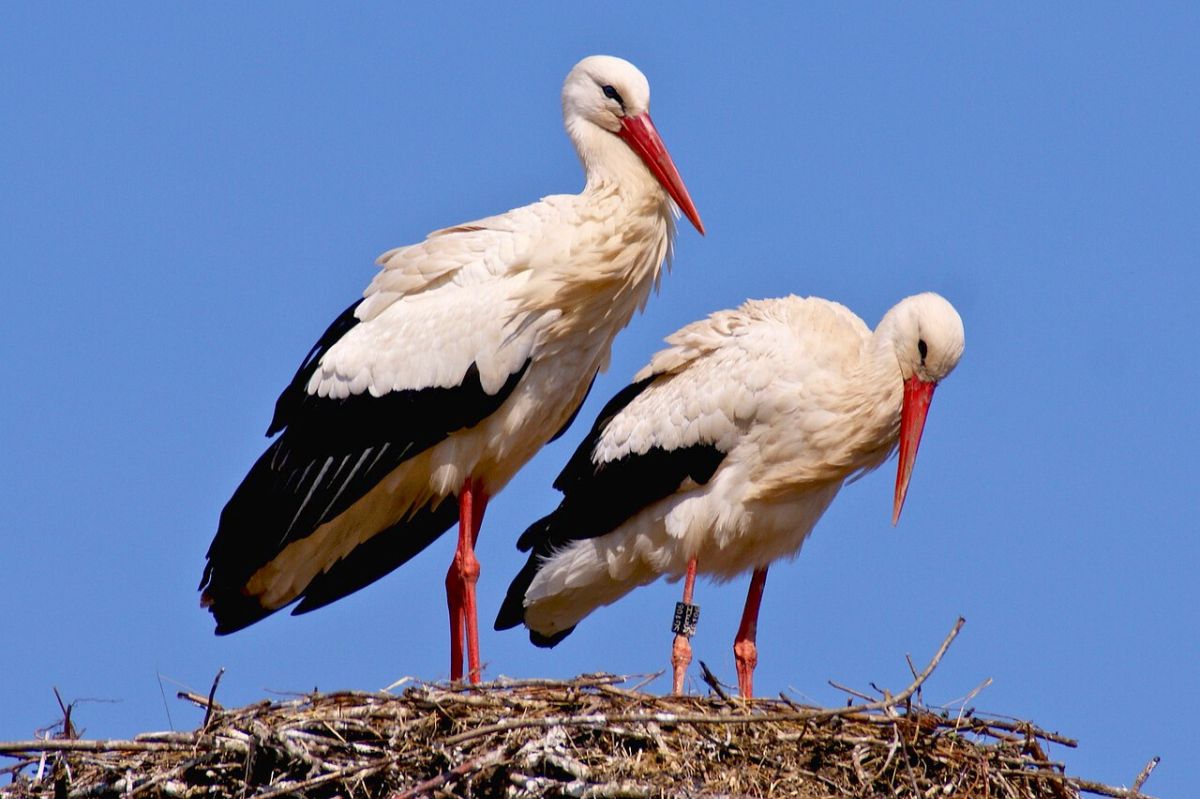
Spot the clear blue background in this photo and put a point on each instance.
(189, 193)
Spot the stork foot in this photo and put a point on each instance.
(745, 656)
(681, 656)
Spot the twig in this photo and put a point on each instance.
(647, 679)
(712, 681)
(617, 790)
(793, 704)
(212, 692)
(973, 693)
(195, 699)
(1032, 745)
(358, 770)
(153, 782)
(68, 728)
(933, 664)
(461, 770)
(851, 691)
(21, 747)
(585, 680)
(912, 667)
(188, 738)
(1023, 727)
(1144, 774)
(398, 683)
(1078, 783)
(163, 693)
(623, 692)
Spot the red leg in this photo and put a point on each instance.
(470, 608)
(454, 603)
(681, 650)
(745, 652)
(461, 580)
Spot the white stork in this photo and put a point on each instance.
(467, 353)
(725, 451)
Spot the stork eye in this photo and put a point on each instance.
(613, 94)
(922, 348)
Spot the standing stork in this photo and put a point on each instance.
(467, 353)
(725, 451)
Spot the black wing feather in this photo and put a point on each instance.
(580, 466)
(295, 392)
(598, 498)
(331, 453)
(379, 556)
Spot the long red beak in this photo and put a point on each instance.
(917, 396)
(640, 134)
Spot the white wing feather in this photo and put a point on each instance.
(723, 374)
(438, 306)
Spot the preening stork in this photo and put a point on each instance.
(725, 451)
(466, 354)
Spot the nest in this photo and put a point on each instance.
(588, 737)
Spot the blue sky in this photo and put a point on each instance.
(190, 193)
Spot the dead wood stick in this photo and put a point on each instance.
(924, 675)
(453, 775)
(22, 747)
(1032, 746)
(212, 692)
(490, 701)
(1103, 790)
(154, 782)
(504, 683)
(623, 693)
(618, 790)
(851, 691)
(196, 699)
(1078, 783)
(1023, 727)
(647, 679)
(167, 737)
(1144, 774)
(711, 680)
(68, 727)
(357, 770)
(978, 725)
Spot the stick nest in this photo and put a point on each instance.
(586, 737)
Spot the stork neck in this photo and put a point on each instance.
(881, 382)
(611, 166)
(622, 227)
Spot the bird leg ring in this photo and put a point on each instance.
(684, 627)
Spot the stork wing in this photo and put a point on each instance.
(369, 396)
(607, 481)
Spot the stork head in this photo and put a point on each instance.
(926, 334)
(606, 99)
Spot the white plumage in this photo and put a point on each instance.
(468, 352)
(750, 421)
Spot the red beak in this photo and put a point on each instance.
(640, 134)
(917, 396)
